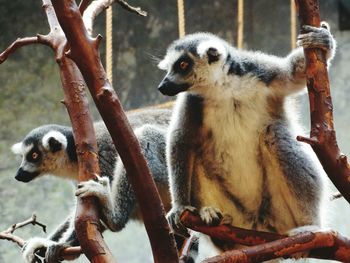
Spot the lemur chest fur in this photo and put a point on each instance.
(229, 159)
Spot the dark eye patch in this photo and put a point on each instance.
(183, 65)
(34, 155)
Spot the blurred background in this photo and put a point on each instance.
(31, 93)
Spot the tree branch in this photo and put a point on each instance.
(20, 42)
(227, 232)
(8, 235)
(84, 52)
(266, 246)
(323, 139)
(97, 6)
(75, 99)
(322, 245)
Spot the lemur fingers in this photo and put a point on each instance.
(33, 246)
(99, 189)
(213, 216)
(316, 37)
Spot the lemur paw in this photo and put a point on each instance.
(53, 253)
(213, 216)
(35, 246)
(173, 217)
(316, 37)
(99, 189)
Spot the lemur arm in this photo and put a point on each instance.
(182, 135)
(287, 75)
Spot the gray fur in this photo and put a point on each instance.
(150, 127)
(231, 146)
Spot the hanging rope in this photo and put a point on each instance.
(109, 44)
(293, 25)
(181, 17)
(240, 24)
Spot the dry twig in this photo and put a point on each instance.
(8, 233)
(97, 6)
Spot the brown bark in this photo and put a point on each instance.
(322, 136)
(84, 52)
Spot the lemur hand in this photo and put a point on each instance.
(53, 253)
(317, 37)
(173, 217)
(35, 246)
(99, 188)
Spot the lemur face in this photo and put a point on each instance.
(42, 153)
(191, 64)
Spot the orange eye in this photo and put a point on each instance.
(183, 65)
(35, 155)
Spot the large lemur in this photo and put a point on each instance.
(231, 146)
(50, 149)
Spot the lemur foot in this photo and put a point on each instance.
(173, 217)
(53, 253)
(316, 37)
(99, 188)
(35, 246)
(213, 216)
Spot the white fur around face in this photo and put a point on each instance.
(17, 148)
(57, 136)
(169, 60)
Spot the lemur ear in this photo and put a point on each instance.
(212, 50)
(54, 141)
(213, 55)
(55, 145)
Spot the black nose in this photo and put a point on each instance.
(170, 88)
(25, 176)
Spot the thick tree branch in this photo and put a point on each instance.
(85, 54)
(322, 136)
(87, 217)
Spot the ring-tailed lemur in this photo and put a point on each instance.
(50, 149)
(231, 146)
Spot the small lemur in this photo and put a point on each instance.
(50, 149)
(232, 152)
